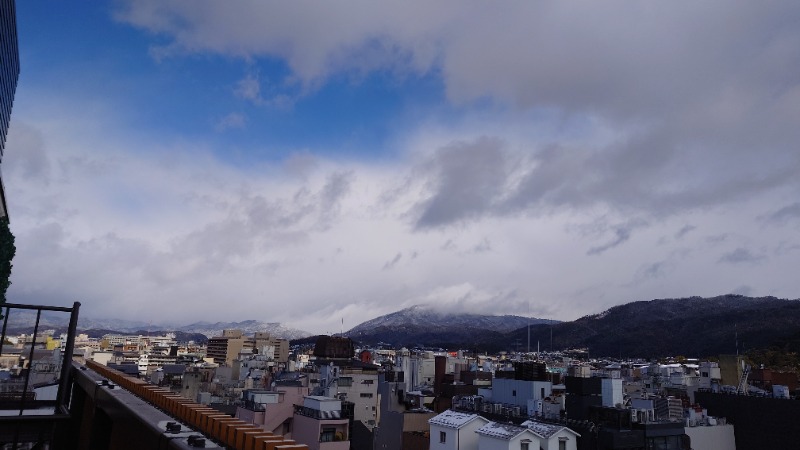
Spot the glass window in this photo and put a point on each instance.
(327, 434)
(345, 381)
(442, 437)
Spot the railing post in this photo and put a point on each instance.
(62, 395)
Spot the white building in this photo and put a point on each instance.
(553, 437)
(611, 391)
(453, 430)
(498, 436)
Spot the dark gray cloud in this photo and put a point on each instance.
(785, 214)
(483, 246)
(465, 180)
(621, 234)
(390, 264)
(684, 231)
(654, 270)
(741, 255)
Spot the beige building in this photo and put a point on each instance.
(224, 349)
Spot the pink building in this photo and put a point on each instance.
(271, 409)
(319, 424)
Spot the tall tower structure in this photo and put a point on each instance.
(9, 74)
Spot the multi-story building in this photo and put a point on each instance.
(271, 409)
(263, 339)
(320, 424)
(9, 74)
(224, 349)
(354, 382)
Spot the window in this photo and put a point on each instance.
(366, 381)
(366, 395)
(562, 445)
(345, 381)
(442, 437)
(514, 393)
(525, 445)
(327, 434)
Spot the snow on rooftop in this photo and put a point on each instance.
(500, 430)
(452, 419)
(544, 430)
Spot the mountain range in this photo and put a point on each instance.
(427, 326)
(691, 326)
(22, 321)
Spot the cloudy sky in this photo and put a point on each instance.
(172, 161)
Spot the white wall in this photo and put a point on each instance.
(719, 437)
(552, 443)
(612, 391)
(464, 438)
(490, 443)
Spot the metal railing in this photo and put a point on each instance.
(23, 416)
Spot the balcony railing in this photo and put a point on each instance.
(317, 414)
(35, 385)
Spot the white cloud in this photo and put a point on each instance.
(249, 88)
(607, 132)
(231, 121)
(179, 235)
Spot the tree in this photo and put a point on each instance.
(7, 252)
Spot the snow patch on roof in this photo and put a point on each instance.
(452, 419)
(500, 430)
(544, 430)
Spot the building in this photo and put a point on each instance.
(583, 393)
(320, 424)
(224, 349)
(499, 436)
(453, 430)
(9, 74)
(759, 422)
(262, 340)
(273, 409)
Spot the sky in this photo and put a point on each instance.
(310, 163)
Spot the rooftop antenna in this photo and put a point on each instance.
(529, 326)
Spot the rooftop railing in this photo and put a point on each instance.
(34, 379)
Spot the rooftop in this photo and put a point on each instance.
(501, 430)
(452, 419)
(544, 430)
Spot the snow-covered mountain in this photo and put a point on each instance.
(427, 316)
(23, 321)
(429, 325)
(248, 327)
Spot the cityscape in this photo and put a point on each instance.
(449, 226)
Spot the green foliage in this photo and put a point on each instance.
(7, 252)
(775, 359)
